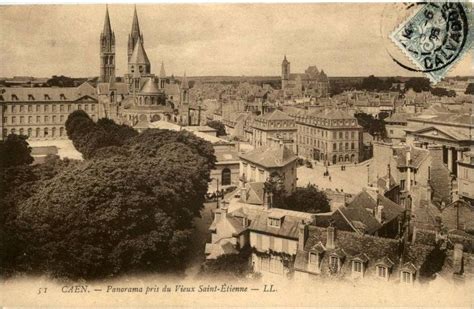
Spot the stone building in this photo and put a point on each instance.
(332, 136)
(41, 112)
(259, 164)
(276, 124)
(466, 177)
(311, 84)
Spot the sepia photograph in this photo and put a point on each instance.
(237, 154)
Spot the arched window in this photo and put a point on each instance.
(347, 158)
(226, 177)
(341, 158)
(45, 133)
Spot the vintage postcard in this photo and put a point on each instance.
(244, 155)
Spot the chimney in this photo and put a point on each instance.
(267, 200)
(331, 237)
(302, 235)
(458, 259)
(389, 176)
(379, 211)
(243, 194)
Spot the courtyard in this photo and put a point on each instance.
(350, 180)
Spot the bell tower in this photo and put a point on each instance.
(107, 50)
(285, 73)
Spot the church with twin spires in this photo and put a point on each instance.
(140, 97)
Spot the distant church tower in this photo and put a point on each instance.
(134, 34)
(184, 91)
(285, 73)
(107, 50)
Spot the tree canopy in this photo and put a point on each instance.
(307, 199)
(219, 126)
(14, 150)
(371, 124)
(128, 207)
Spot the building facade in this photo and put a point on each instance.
(41, 112)
(273, 125)
(331, 136)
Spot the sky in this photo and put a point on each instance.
(207, 39)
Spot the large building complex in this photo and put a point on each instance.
(332, 136)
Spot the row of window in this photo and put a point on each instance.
(45, 97)
(37, 132)
(326, 122)
(358, 268)
(324, 133)
(23, 108)
(38, 119)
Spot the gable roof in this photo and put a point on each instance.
(48, 94)
(270, 156)
(365, 200)
(275, 115)
(451, 133)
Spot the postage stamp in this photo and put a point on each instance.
(435, 37)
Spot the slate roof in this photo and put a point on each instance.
(365, 200)
(120, 88)
(361, 219)
(417, 156)
(374, 248)
(254, 193)
(288, 227)
(275, 115)
(455, 133)
(150, 87)
(37, 94)
(270, 156)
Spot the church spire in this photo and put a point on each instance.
(107, 28)
(184, 83)
(135, 34)
(162, 70)
(107, 50)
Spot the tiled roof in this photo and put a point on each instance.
(47, 94)
(364, 200)
(417, 156)
(270, 156)
(254, 193)
(361, 219)
(275, 115)
(374, 248)
(120, 88)
(288, 227)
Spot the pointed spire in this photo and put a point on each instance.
(162, 70)
(184, 83)
(135, 25)
(139, 55)
(107, 28)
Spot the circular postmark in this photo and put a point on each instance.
(432, 36)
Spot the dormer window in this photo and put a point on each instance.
(275, 222)
(359, 263)
(31, 97)
(46, 97)
(62, 96)
(406, 277)
(334, 264)
(14, 97)
(382, 272)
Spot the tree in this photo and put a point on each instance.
(15, 150)
(418, 84)
(307, 199)
(234, 266)
(217, 125)
(443, 92)
(470, 89)
(371, 125)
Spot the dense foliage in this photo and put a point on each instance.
(374, 126)
(228, 266)
(14, 151)
(127, 208)
(470, 89)
(219, 126)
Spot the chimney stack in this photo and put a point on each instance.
(379, 211)
(331, 237)
(267, 200)
(302, 234)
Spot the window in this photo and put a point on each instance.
(46, 97)
(406, 277)
(69, 107)
(38, 119)
(30, 108)
(37, 108)
(352, 135)
(13, 108)
(334, 263)
(357, 266)
(61, 108)
(334, 135)
(352, 146)
(274, 222)
(226, 177)
(340, 135)
(53, 108)
(46, 119)
(382, 272)
(30, 119)
(54, 118)
(92, 108)
(402, 184)
(313, 258)
(31, 97)
(62, 96)
(22, 119)
(334, 146)
(22, 108)
(61, 118)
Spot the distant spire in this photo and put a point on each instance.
(184, 83)
(107, 28)
(162, 70)
(135, 25)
